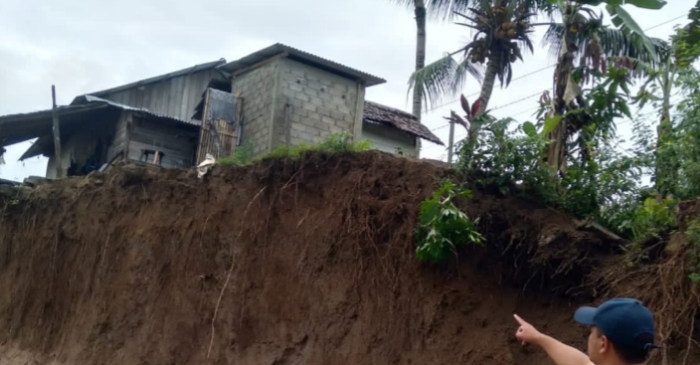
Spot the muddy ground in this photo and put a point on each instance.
(285, 262)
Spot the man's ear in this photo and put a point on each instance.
(604, 345)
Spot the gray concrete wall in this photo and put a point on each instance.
(311, 104)
(257, 90)
(392, 140)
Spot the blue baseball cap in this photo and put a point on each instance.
(624, 321)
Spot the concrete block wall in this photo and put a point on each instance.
(311, 104)
(257, 90)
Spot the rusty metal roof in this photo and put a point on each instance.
(378, 113)
(17, 128)
(303, 57)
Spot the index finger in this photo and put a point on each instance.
(520, 320)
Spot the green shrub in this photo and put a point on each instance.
(443, 227)
(335, 143)
(242, 155)
(342, 142)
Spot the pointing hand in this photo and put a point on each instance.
(526, 333)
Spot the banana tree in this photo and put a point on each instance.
(677, 63)
(584, 47)
(502, 32)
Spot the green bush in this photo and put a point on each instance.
(242, 155)
(335, 143)
(443, 227)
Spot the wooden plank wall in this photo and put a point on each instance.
(219, 118)
(120, 141)
(177, 141)
(176, 97)
(207, 144)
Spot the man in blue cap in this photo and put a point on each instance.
(622, 333)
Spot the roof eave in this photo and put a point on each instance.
(304, 57)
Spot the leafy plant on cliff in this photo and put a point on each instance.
(443, 227)
(242, 155)
(335, 143)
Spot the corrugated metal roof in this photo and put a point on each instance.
(17, 128)
(378, 113)
(304, 57)
(152, 80)
(87, 99)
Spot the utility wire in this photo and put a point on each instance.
(478, 93)
(539, 93)
(532, 73)
(617, 124)
(499, 107)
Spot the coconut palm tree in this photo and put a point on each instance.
(420, 11)
(440, 9)
(502, 33)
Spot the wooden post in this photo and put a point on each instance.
(451, 142)
(56, 135)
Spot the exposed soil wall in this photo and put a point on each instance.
(306, 262)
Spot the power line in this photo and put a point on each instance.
(498, 107)
(666, 22)
(617, 124)
(478, 93)
(534, 72)
(538, 93)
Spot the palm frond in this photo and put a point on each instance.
(616, 43)
(613, 41)
(509, 74)
(464, 68)
(442, 78)
(526, 40)
(405, 3)
(637, 67)
(552, 39)
(444, 9)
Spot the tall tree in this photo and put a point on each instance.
(420, 11)
(502, 31)
(584, 46)
(440, 9)
(676, 64)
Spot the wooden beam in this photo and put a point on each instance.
(359, 113)
(450, 143)
(56, 135)
(204, 141)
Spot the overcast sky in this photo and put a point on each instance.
(85, 45)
